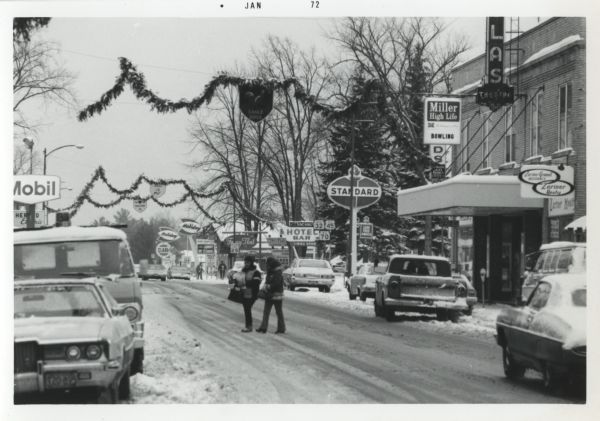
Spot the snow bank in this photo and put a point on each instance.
(482, 323)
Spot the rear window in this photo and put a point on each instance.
(420, 267)
(322, 264)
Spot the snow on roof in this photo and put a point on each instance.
(560, 244)
(579, 223)
(53, 235)
(551, 49)
(468, 179)
(466, 88)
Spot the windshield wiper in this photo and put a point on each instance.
(79, 274)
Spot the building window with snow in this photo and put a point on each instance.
(509, 137)
(486, 141)
(535, 138)
(565, 125)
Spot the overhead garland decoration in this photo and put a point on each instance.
(129, 194)
(137, 82)
(237, 199)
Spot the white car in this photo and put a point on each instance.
(309, 273)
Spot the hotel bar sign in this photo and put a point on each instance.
(442, 121)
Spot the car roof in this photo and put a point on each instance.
(418, 256)
(561, 244)
(58, 234)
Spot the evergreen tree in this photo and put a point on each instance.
(372, 145)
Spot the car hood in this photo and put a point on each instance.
(59, 329)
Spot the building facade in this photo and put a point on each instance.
(497, 228)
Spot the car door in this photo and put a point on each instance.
(530, 341)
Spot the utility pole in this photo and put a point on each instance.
(30, 208)
(351, 259)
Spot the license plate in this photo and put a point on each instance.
(60, 380)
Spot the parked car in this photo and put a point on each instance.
(180, 272)
(80, 252)
(422, 284)
(362, 284)
(548, 334)
(339, 267)
(309, 273)
(471, 292)
(556, 257)
(71, 335)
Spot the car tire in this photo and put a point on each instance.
(512, 369)
(549, 378)
(469, 312)
(454, 316)
(441, 315)
(137, 365)
(326, 289)
(378, 309)
(363, 297)
(388, 313)
(292, 287)
(125, 385)
(109, 395)
(350, 295)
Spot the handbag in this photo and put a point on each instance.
(235, 295)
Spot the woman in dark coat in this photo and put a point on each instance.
(273, 296)
(249, 282)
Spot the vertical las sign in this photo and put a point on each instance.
(495, 50)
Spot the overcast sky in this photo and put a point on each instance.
(178, 57)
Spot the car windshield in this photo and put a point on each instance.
(420, 267)
(58, 301)
(579, 297)
(322, 264)
(48, 260)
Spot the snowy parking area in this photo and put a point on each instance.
(482, 323)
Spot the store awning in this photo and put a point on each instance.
(467, 195)
(578, 224)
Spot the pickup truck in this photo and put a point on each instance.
(417, 283)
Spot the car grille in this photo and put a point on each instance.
(25, 357)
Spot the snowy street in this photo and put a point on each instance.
(335, 351)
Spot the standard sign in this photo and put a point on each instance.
(32, 189)
(546, 181)
(442, 121)
(367, 191)
(163, 249)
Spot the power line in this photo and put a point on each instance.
(140, 64)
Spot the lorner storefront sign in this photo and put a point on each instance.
(546, 181)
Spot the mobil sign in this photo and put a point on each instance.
(366, 191)
(189, 226)
(32, 189)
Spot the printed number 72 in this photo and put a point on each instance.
(314, 4)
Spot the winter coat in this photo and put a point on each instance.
(251, 280)
(274, 283)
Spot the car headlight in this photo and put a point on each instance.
(73, 352)
(93, 352)
(131, 312)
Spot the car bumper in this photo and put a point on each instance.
(312, 282)
(426, 305)
(85, 375)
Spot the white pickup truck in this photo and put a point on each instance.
(417, 283)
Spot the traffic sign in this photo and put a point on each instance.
(324, 236)
(157, 190)
(366, 191)
(139, 205)
(365, 230)
(330, 224)
(319, 224)
(163, 249)
(301, 224)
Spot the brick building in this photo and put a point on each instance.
(545, 125)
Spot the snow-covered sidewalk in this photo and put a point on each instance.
(482, 323)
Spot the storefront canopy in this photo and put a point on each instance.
(578, 224)
(467, 195)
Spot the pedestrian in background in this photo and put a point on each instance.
(248, 280)
(222, 269)
(199, 271)
(273, 296)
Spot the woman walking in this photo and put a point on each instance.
(248, 280)
(273, 296)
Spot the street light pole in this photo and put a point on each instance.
(46, 154)
(30, 208)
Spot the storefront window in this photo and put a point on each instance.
(535, 139)
(465, 247)
(565, 125)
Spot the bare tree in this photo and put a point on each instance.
(386, 50)
(38, 74)
(294, 129)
